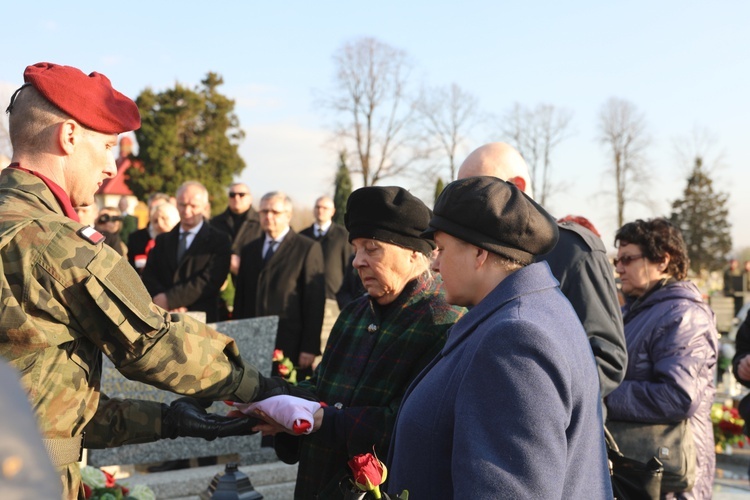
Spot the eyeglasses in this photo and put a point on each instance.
(234, 195)
(271, 212)
(625, 260)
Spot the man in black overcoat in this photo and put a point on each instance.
(240, 221)
(282, 273)
(188, 265)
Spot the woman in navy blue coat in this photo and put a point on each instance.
(513, 397)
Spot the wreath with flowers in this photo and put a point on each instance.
(99, 484)
(728, 426)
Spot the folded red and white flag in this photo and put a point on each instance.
(293, 413)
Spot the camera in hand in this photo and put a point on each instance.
(104, 218)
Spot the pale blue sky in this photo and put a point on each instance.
(685, 64)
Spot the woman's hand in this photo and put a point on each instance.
(271, 427)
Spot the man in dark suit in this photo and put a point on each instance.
(239, 220)
(188, 265)
(334, 239)
(282, 273)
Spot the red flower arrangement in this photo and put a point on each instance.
(728, 426)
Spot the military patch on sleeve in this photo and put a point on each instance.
(91, 235)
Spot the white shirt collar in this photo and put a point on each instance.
(323, 228)
(278, 239)
(191, 234)
(193, 231)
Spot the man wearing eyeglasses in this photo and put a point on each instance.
(282, 274)
(239, 220)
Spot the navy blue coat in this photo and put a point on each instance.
(510, 408)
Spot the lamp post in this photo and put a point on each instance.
(232, 484)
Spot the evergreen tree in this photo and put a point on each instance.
(702, 216)
(343, 188)
(439, 186)
(185, 135)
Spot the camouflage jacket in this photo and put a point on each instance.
(66, 300)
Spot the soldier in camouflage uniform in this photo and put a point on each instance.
(67, 298)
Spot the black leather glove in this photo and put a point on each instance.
(187, 417)
(277, 386)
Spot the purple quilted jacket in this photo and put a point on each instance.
(672, 347)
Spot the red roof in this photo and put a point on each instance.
(116, 185)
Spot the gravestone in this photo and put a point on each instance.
(255, 339)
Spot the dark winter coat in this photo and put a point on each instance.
(195, 281)
(336, 252)
(291, 285)
(510, 408)
(579, 262)
(242, 234)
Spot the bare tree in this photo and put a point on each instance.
(447, 115)
(371, 98)
(700, 143)
(536, 133)
(623, 132)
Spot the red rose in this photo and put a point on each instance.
(86, 491)
(278, 355)
(283, 370)
(369, 472)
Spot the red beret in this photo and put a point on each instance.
(91, 100)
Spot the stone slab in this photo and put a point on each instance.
(255, 338)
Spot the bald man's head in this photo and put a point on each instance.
(500, 160)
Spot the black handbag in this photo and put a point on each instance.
(672, 444)
(631, 479)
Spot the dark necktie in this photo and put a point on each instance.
(182, 246)
(271, 249)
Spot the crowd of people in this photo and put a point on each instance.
(479, 348)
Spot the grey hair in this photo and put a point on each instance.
(278, 194)
(197, 184)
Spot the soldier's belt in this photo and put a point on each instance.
(64, 451)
